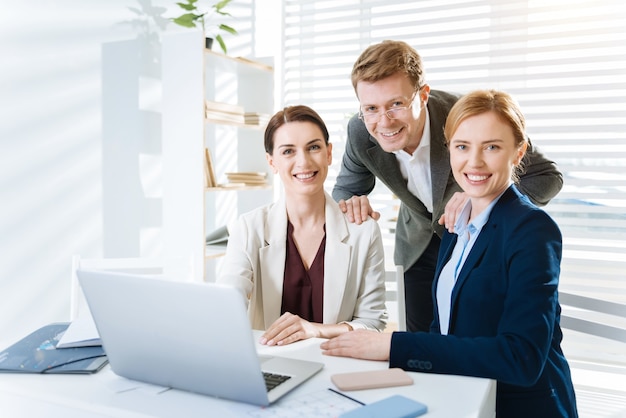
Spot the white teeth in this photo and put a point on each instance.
(389, 133)
(305, 176)
(476, 178)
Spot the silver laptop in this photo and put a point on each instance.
(189, 336)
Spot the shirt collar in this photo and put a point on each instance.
(462, 226)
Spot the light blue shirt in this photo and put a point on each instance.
(467, 235)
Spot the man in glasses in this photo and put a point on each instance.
(397, 137)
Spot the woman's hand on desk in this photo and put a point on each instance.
(290, 328)
(362, 344)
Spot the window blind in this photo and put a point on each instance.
(564, 61)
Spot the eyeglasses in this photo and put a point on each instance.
(373, 116)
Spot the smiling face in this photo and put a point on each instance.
(301, 157)
(483, 156)
(405, 130)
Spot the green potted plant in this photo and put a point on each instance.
(194, 16)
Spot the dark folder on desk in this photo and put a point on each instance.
(37, 353)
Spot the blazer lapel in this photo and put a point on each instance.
(336, 260)
(447, 254)
(273, 271)
(482, 242)
(439, 167)
(476, 253)
(439, 157)
(386, 162)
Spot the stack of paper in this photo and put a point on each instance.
(81, 332)
(253, 118)
(247, 178)
(224, 112)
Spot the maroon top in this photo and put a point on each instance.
(303, 291)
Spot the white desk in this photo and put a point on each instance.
(97, 395)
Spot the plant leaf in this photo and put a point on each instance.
(187, 20)
(221, 42)
(228, 29)
(188, 6)
(221, 4)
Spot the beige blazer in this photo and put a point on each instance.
(354, 268)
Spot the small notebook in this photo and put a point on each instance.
(37, 353)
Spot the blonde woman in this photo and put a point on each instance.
(496, 310)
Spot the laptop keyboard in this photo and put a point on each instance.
(272, 380)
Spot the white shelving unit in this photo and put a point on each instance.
(192, 75)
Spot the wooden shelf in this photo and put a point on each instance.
(238, 188)
(237, 124)
(192, 123)
(241, 60)
(214, 251)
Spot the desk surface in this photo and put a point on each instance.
(105, 394)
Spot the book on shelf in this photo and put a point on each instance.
(224, 112)
(224, 107)
(247, 178)
(224, 117)
(231, 185)
(248, 174)
(254, 118)
(209, 170)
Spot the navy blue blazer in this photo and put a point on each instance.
(504, 319)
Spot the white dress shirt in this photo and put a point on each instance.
(416, 168)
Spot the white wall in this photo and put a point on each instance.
(52, 145)
(80, 143)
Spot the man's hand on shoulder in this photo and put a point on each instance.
(453, 209)
(357, 209)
